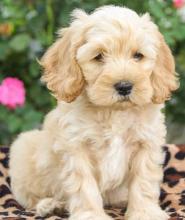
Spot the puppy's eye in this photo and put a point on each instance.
(99, 57)
(138, 56)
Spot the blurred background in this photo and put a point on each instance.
(28, 27)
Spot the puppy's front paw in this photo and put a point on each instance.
(47, 206)
(89, 216)
(145, 214)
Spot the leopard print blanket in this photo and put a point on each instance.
(172, 198)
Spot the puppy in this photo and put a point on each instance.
(110, 71)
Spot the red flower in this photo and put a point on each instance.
(12, 92)
(178, 3)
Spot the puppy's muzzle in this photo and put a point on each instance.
(123, 88)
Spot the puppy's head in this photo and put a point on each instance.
(114, 56)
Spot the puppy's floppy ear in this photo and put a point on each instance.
(62, 73)
(164, 78)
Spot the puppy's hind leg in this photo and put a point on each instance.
(22, 168)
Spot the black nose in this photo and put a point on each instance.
(123, 88)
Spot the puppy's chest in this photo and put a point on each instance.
(113, 147)
(112, 161)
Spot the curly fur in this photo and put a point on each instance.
(97, 147)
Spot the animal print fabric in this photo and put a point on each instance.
(172, 198)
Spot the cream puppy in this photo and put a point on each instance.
(111, 71)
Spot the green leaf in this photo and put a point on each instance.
(156, 9)
(20, 42)
(4, 50)
(32, 119)
(14, 123)
(34, 69)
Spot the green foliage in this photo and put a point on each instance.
(20, 42)
(30, 29)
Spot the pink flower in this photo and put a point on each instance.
(12, 92)
(178, 3)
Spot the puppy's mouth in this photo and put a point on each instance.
(125, 98)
